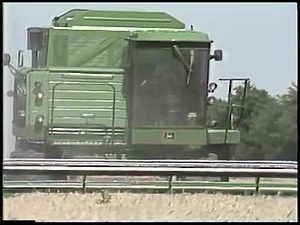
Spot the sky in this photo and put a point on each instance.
(259, 40)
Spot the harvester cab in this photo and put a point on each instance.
(168, 80)
(167, 90)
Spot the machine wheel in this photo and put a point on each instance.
(225, 153)
(53, 152)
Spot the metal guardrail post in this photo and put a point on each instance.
(257, 191)
(170, 185)
(84, 184)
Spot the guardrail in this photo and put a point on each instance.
(178, 186)
(38, 160)
(170, 168)
(152, 168)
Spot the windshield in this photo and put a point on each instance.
(88, 50)
(167, 88)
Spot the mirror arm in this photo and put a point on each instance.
(15, 73)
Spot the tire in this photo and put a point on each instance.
(53, 152)
(225, 154)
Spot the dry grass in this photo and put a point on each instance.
(127, 206)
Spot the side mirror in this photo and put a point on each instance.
(218, 55)
(6, 59)
(35, 41)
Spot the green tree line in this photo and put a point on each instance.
(269, 124)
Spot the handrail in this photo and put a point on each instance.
(230, 106)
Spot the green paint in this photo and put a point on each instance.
(218, 136)
(118, 19)
(175, 36)
(157, 136)
(102, 49)
(183, 136)
(33, 110)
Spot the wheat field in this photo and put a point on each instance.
(139, 207)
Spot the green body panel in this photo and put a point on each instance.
(157, 136)
(218, 136)
(70, 104)
(33, 110)
(183, 136)
(176, 36)
(86, 48)
(92, 122)
(118, 19)
(85, 100)
(79, 100)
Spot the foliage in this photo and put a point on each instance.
(105, 197)
(269, 124)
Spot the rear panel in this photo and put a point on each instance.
(76, 106)
(86, 106)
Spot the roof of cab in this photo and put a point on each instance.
(176, 36)
(96, 18)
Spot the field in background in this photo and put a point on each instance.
(128, 206)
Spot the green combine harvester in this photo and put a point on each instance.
(118, 84)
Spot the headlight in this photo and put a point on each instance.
(211, 99)
(106, 139)
(213, 123)
(40, 95)
(39, 98)
(40, 119)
